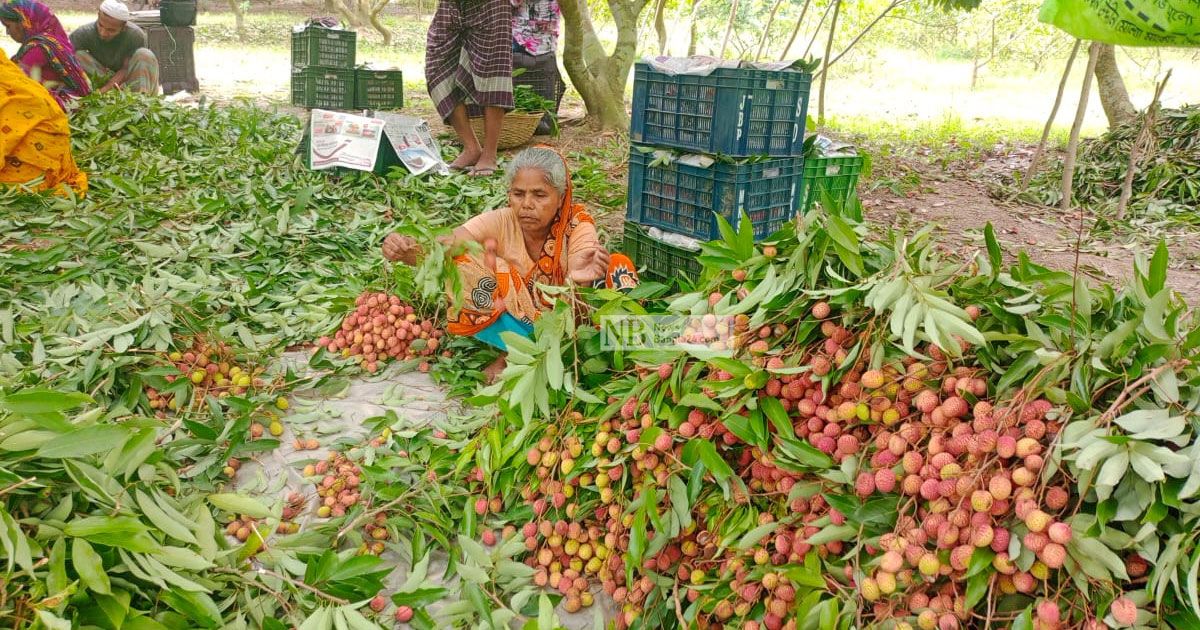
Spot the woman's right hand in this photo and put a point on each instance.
(401, 248)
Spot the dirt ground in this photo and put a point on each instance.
(961, 204)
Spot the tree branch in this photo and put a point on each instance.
(1143, 143)
(1062, 86)
(762, 41)
(795, 31)
(728, 28)
(893, 5)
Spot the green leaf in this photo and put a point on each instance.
(126, 532)
(40, 401)
(89, 566)
(1156, 280)
(830, 533)
(475, 551)
(993, 248)
(239, 504)
(94, 439)
(976, 588)
(755, 535)
(1151, 424)
(159, 517)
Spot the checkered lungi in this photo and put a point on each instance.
(468, 54)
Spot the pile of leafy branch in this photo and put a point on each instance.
(198, 222)
(203, 222)
(1166, 181)
(1118, 366)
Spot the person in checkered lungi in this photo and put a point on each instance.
(469, 60)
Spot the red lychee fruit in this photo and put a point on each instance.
(885, 482)
(1054, 555)
(1124, 611)
(1048, 613)
(1060, 533)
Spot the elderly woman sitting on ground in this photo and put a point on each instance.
(542, 237)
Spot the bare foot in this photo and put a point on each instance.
(485, 164)
(467, 159)
(493, 370)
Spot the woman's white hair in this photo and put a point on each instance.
(547, 161)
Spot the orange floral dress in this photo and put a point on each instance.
(512, 287)
(35, 138)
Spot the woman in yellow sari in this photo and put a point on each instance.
(35, 139)
(541, 238)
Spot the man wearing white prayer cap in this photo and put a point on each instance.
(112, 51)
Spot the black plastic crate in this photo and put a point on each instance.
(173, 46)
(658, 259)
(833, 178)
(378, 89)
(324, 88)
(326, 47)
(739, 112)
(685, 199)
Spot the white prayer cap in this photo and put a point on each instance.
(116, 10)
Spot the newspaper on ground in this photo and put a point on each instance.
(414, 143)
(345, 140)
(828, 147)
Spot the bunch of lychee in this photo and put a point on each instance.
(402, 614)
(381, 328)
(274, 426)
(241, 527)
(375, 533)
(337, 481)
(211, 368)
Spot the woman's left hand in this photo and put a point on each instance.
(593, 266)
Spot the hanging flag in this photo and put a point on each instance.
(1127, 22)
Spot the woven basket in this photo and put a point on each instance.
(516, 130)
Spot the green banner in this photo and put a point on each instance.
(1127, 22)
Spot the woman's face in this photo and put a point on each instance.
(15, 30)
(534, 198)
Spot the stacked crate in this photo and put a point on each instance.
(324, 75)
(731, 113)
(323, 68)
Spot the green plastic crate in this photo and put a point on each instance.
(326, 47)
(832, 177)
(378, 89)
(324, 88)
(658, 259)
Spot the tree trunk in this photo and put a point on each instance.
(1068, 177)
(660, 25)
(1062, 86)
(692, 29)
(599, 77)
(378, 24)
(837, 7)
(239, 18)
(796, 31)
(1113, 95)
(762, 41)
(817, 30)
(729, 28)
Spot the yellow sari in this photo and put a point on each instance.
(35, 138)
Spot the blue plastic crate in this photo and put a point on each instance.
(685, 199)
(739, 112)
